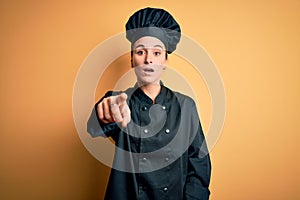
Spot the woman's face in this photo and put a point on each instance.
(148, 60)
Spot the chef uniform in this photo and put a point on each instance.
(162, 153)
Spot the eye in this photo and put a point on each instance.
(157, 53)
(140, 52)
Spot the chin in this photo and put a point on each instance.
(148, 82)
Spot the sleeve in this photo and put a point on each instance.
(199, 168)
(97, 128)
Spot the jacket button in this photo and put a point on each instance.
(163, 107)
(144, 108)
(167, 130)
(165, 189)
(146, 131)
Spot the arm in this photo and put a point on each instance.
(199, 167)
(199, 170)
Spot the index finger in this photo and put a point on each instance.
(121, 98)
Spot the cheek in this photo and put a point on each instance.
(137, 71)
(163, 61)
(136, 61)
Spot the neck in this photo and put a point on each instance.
(151, 90)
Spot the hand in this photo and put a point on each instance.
(114, 109)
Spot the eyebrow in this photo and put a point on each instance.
(143, 46)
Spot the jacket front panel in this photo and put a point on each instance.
(157, 155)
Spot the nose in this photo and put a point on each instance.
(148, 58)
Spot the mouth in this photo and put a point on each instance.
(148, 69)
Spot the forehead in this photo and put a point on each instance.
(148, 42)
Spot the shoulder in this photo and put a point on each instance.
(128, 91)
(187, 105)
(181, 98)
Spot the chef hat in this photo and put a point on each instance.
(154, 22)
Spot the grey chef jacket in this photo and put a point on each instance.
(161, 154)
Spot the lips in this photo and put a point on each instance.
(148, 69)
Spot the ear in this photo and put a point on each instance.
(165, 65)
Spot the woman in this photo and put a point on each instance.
(157, 132)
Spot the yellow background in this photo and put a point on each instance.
(255, 44)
